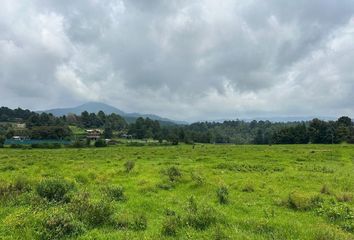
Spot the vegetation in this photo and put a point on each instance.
(178, 192)
(47, 126)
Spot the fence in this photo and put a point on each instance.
(35, 141)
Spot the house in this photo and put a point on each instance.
(127, 136)
(93, 134)
(19, 138)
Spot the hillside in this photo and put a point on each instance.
(95, 107)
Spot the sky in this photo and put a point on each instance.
(182, 59)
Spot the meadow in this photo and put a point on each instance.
(178, 192)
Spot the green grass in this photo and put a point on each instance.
(273, 192)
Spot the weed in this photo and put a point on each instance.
(115, 193)
(139, 223)
(129, 165)
(93, 213)
(54, 190)
(174, 174)
(344, 197)
(171, 224)
(325, 189)
(248, 188)
(61, 225)
(198, 179)
(302, 202)
(223, 194)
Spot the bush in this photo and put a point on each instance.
(16, 146)
(92, 213)
(81, 178)
(129, 165)
(2, 141)
(302, 202)
(325, 233)
(325, 190)
(115, 193)
(171, 224)
(200, 218)
(19, 186)
(248, 188)
(198, 179)
(54, 190)
(78, 144)
(223, 194)
(46, 145)
(174, 174)
(61, 225)
(344, 197)
(219, 234)
(139, 223)
(100, 143)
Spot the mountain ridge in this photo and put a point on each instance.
(95, 107)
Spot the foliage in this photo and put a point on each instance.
(174, 174)
(223, 194)
(100, 143)
(58, 225)
(129, 165)
(54, 189)
(94, 213)
(115, 193)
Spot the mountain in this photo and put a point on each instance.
(95, 107)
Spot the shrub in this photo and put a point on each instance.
(198, 179)
(223, 194)
(344, 197)
(139, 223)
(302, 202)
(248, 188)
(325, 233)
(122, 222)
(174, 174)
(129, 165)
(81, 178)
(219, 234)
(92, 213)
(61, 225)
(54, 190)
(46, 145)
(19, 186)
(78, 144)
(325, 190)
(8, 168)
(200, 218)
(16, 146)
(171, 224)
(165, 185)
(115, 193)
(100, 143)
(336, 212)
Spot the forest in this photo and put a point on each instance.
(47, 126)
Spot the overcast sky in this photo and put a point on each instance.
(187, 60)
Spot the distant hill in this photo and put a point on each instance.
(95, 107)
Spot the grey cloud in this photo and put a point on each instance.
(206, 58)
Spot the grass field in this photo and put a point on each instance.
(178, 192)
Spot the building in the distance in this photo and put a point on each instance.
(19, 138)
(93, 134)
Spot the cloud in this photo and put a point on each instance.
(206, 59)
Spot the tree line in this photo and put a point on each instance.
(47, 126)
